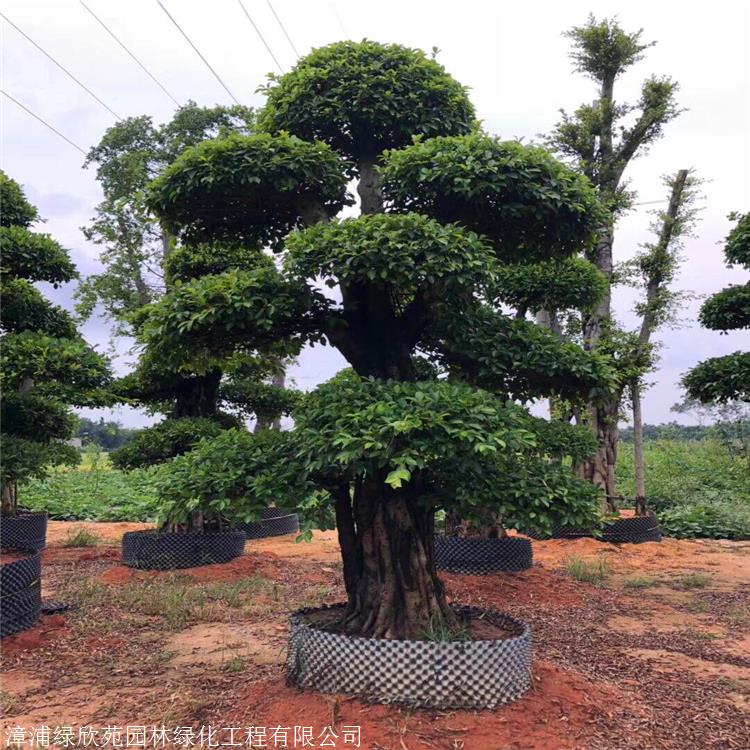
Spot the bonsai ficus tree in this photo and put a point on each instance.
(722, 380)
(141, 261)
(222, 393)
(410, 292)
(45, 367)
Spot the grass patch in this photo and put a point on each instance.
(588, 571)
(699, 635)
(8, 702)
(438, 631)
(81, 538)
(175, 599)
(640, 582)
(694, 580)
(736, 685)
(738, 615)
(234, 665)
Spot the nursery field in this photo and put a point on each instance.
(642, 647)
(697, 488)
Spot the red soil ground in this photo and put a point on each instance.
(665, 666)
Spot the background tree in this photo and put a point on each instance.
(131, 154)
(655, 268)
(107, 435)
(720, 380)
(389, 442)
(45, 365)
(601, 139)
(141, 261)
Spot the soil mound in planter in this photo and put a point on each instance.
(273, 522)
(475, 672)
(152, 550)
(23, 531)
(482, 556)
(20, 591)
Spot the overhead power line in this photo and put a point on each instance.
(44, 122)
(64, 70)
(138, 62)
(197, 51)
(262, 39)
(283, 28)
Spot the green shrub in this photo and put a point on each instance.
(695, 580)
(640, 582)
(165, 440)
(94, 492)
(697, 488)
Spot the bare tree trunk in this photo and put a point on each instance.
(387, 549)
(369, 188)
(640, 469)
(9, 498)
(654, 287)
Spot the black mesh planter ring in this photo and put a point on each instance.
(20, 594)
(152, 550)
(27, 531)
(270, 526)
(570, 532)
(635, 530)
(419, 673)
(482, 556)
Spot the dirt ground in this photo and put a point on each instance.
(655, 655)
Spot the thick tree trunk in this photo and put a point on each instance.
(600, 469)
(264, 421)
(197, 396)
(640, 468)
(369, 188)
(387, 549)
(9, 498)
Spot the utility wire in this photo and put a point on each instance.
(283, 28)
(44, 122)
(64, 70)
(197, 51)
(139, 63)
(257, 30)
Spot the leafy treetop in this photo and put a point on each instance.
(247, 189)
(720, 380)
(362, 98)
(528, 204)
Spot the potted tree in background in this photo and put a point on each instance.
(199, 402)
(388, 443)
(45, 368)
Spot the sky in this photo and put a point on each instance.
(512, 56)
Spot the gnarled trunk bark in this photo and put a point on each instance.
(387, 548)
(197, 396)
(368, 188)
(600, 469)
